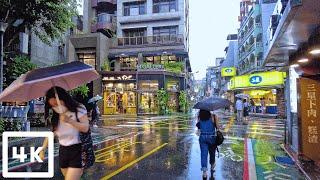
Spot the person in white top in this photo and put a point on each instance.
(239, 108)
(68, 119)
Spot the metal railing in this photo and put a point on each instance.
(150, 40)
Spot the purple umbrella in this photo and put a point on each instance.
(212, 103)
(37, 82)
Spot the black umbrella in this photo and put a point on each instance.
(212, 103)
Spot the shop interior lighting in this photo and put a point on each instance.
(294, 65)
(303, 60)
(315, 51)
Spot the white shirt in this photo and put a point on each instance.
(68, 134)
(239, 105)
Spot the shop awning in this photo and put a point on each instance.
(297, 23)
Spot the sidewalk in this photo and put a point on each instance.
(309, 169)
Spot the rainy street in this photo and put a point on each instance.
(166, 147)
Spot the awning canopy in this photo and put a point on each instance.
(297, 23)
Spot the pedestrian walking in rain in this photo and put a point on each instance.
(207, 127)
(239, 108)
(69, 119)
(263, 105)
(252, 106)
(245, 111)
(95, 113)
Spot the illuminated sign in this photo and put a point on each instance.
(142, 67)
(257, 80)
(115, 78)
(228, 71)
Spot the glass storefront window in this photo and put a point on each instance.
(149, 85)
(173, 102)
(87, 58)
(172, 85)
(148, 103)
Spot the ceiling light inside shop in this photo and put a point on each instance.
(294, 65)
(315, 51)
(303, 60)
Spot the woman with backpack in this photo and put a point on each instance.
(207, 126)
(70, 124)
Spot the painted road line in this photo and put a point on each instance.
(249, 162)
(252, 164)
(230, 123)
(266, 134)
(134, 162)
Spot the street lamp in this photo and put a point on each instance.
(3, 27)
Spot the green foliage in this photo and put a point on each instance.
(183, 102)
(20, 65)
(162, 98)
(10, 125)
(106, 65)
(175, 67)
(48, 19)
(81, 90)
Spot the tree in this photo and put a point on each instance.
(19, 65)
(48, 19)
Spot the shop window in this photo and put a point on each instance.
(88, 58)
(173, 86)
(148, 103)
(149, 60)
(128, 63)
(149, 85)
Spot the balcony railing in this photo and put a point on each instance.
(94, 3)
(108, 21)
(150, 40)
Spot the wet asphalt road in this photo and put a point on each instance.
(168, 148)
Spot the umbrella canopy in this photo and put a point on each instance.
(95, 99)
(242, 96)
(37, 82)
(212, 103)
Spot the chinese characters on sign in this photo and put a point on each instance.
(309, 117)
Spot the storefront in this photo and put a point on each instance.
(264, 87)
(119, 94)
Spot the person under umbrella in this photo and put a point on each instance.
(207, 126)
(68, 120)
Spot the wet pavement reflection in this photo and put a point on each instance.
(168, 148)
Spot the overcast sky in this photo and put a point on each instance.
(210, 23)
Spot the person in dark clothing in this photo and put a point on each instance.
(207, 125)
(94, 115)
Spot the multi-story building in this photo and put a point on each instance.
(143, 44)
(230, 61)
(252, 35)
(213, 78)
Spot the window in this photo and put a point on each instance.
(139, 32)
(88, 58)
(134, 8)
(163, 6)
(165, 31)
(128, 63)
(104, 18)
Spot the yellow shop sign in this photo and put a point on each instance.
(228, 71)
(258, 80)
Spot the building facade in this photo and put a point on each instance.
(139, 47)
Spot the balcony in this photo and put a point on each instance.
(150, 40)
(94, 3)
(105, 22)
(144, 18)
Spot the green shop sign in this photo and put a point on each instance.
(155, 67)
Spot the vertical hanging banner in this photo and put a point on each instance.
(310, 117)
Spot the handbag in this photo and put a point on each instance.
(87, 152)
(219, 136)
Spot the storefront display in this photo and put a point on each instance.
(119, 98)
(148, 103)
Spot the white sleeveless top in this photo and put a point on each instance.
(66, 133)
